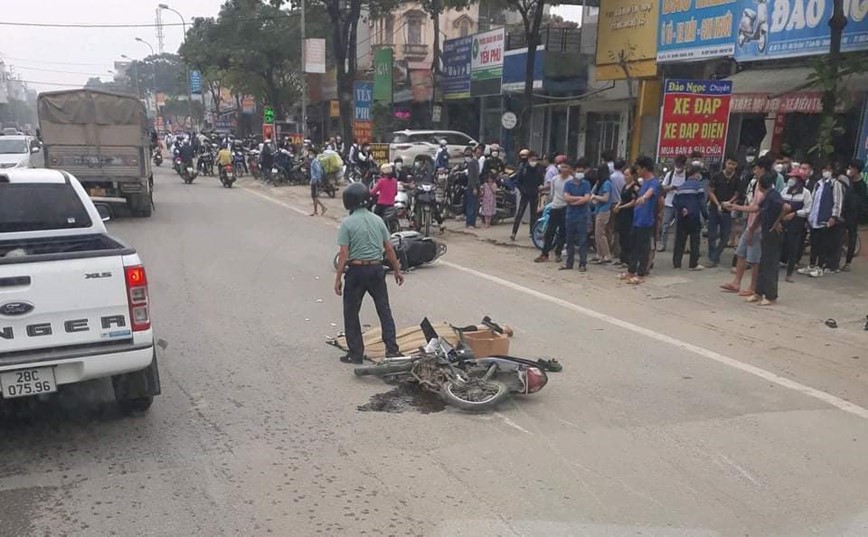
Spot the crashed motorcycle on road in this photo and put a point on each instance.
(459, 377)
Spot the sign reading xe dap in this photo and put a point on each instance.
(695, 118)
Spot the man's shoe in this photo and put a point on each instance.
(394, 354)
(558, 259)
(816, 273)
(583, 268)
(698, 267)
(541, 259)
(806, 271)
(846, 268)
(347, 359)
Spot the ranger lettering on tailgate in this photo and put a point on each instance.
(70, 327)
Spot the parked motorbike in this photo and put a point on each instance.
(402, 207)
(754, 26)
(424, 206)
(158, 156)
(505, 199)
(459, 378)
(227, 175)
(238, 163)
(456, 186)
(412, 249)
(253, 163)
(206, 163)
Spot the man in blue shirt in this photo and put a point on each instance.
(768, 225)
(644, 221)
(577, 194)
(689, 204)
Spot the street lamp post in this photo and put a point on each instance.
(184, 25)
(154, 73)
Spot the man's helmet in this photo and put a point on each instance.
(386, 169)
(524, 153)
(356, 196)
(443, 142)
(487, 151)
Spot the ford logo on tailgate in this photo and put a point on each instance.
(16, 308)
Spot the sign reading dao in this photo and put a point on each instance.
(268, 115)
(695, 118)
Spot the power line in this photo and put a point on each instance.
(50, 62)
(83, 25)
(25, 68)
(51, 83)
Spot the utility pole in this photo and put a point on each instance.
(189, 93)
(303, 78)
(154, 73)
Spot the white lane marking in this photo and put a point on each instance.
(274, 200)
(512, 424)
(828, 398)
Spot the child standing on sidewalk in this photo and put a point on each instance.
(489, 200)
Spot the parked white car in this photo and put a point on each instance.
(413, 146)
(20, 152)
(74, 302)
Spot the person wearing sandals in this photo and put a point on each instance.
(749, 249)
(644, 221)
(768, 225)
(602, 198)
(624, 215)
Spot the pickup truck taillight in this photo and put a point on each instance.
(137, 296)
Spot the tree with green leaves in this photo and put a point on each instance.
(531, 12)
(828, 71)
(159, 73)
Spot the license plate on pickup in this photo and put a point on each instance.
(97, 192)
(24, 382)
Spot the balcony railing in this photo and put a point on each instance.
(415, 51)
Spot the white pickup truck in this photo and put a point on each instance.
(74, 302)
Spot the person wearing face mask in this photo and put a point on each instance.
(401, 173)
(471, 193)
(494, 166)
(577, 195)
(855, 204)
(441, 159)
(825, 215)
(799, 198)
(673, 179)
(529, 178)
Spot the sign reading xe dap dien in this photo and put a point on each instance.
(695, 117)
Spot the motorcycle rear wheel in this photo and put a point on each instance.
(476, 395)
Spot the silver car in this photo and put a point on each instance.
(20, 151)
(413, 146)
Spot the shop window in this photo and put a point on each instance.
(464, 28)
(603, 132)
(388, 36)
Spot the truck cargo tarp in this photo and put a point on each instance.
(88, 107)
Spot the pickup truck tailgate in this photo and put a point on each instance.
(63, 304)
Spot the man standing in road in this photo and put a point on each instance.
(363, 237)
(529, 179)
(673, 179)
(644, 221)
(577, 195)
(724, 188)
(471, 200)
(855, 205)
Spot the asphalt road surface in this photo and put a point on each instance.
(649, 430)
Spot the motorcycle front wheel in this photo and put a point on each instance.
(426, 223)
(476, 395)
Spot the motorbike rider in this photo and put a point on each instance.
(441, 159)
(363, 161)
(494, 164)
(187, 153)
(385, 190)
(266, 157)
(401, 173)
(363, 238)
(529, 178)
(224, 158)
(340, 146)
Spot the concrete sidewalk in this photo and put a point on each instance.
(843, 297)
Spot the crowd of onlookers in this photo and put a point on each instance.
(768, 207)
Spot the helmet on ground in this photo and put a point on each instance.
(524, 153)
(386, 169)
(443, 142)
(356, 196)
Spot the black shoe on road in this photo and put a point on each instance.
(347, 359)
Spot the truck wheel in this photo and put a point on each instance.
(140, 205)
(135, 391)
